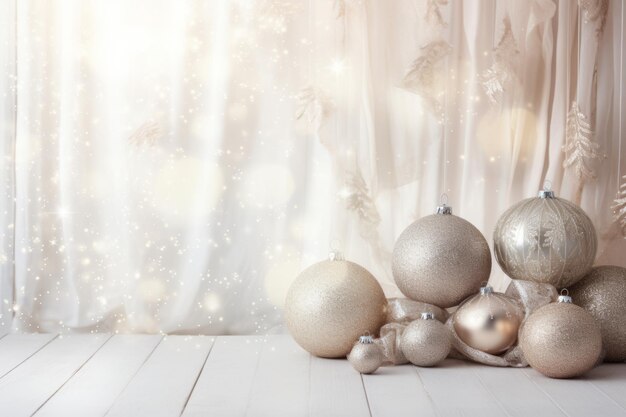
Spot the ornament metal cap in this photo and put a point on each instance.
(444, 209)
(366, 339)
(564, 297)
(336, 256)
(546, 194)
(427, 316)
(486, 289)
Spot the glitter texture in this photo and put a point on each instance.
(441, 259)
(331, 304)
(489, 322)
(561, 340)
(426, 342)
(602, 292)
(548, 240)
(366, 358)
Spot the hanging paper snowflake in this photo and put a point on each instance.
(619, 207)
(423, 78)
(314, 106)
(579, 145)
(502, 70)
(433, 13)
(595, 10)
(358, 200)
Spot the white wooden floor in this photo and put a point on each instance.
(144, 375)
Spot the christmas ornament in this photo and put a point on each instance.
(488, 321)
(561, 340)
(332, 303)
(545, 239)
(441, 259)
(426, 342)
(366, 356)
(602, 292)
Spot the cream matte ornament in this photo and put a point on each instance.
(561, 340)
(366, 356)
(602, 292)
(545, 239)
(441, 259)
(489, 321)
(332, 303)
(426, 341)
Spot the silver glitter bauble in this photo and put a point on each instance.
(441, 259)
(561, 340)
(545, 239)
(366, 356)
(426, 341)
(332, 303)
(602, 292)
(489, 321)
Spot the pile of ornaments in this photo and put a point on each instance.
(545, 244)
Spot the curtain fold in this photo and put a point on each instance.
(171, 167)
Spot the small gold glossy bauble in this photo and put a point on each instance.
(545, 239)
(489, 321)
(426, 341)
(602, 292)
(332, 303)
(366, 356)
(441, 259)
(561, 340)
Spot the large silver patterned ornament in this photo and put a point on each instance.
(441, 259)
(331, 304)
(545, 239)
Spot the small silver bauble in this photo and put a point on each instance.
(545, 239)
(331, 304)
(488, 321)
(441, 259)
(561, 340)
(426, 341)
(366, 356)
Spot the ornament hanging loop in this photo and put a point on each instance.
(443, 207)
(547, 190)
(564, 297)
(334, 253)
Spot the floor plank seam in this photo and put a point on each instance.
(606, 395)
(193, 387)
(72, 376)
(525, 372)
(367, 400)
(495, 398)
(256, 369)
(423, 384)
(133, 376)
(29, 356)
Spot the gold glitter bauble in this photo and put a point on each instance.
(602, 292)
(561, 340)
(489, 321)
(441, 259)
(426, 341)
(332, 303)
(366, 356)
(545, 239)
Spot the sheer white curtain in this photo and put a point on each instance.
(171, 166)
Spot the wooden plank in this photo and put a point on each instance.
(281, 384)
(28, 386)
(397, 391)
(93, 389)
(336, 389)
(456, 390)
(16, 348)
(576, 397)
(515, 392)
(225, 382)
(163, 384)
(611, 380)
